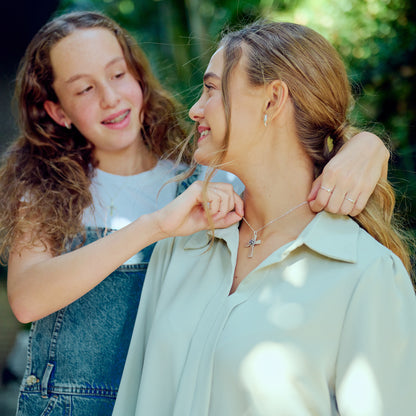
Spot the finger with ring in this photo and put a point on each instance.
(326, 189)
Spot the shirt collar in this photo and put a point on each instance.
(333, 236)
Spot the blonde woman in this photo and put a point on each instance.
(288, 312)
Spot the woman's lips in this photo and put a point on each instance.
(203, 132)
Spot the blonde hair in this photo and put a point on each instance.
(46, 174)
(321, 94)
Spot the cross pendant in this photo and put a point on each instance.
(111, 209)
(251, 243)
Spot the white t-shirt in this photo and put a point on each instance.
(119, 200)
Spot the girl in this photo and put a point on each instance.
(99, 137)
(288, 312)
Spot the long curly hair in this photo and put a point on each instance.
(46, 173)
(320, 91)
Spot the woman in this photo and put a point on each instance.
(289, 312)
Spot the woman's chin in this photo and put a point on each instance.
(202, 158)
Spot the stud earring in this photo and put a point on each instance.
(67, 125)
(265, 120)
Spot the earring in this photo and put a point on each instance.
(265, 120)
(67, 125)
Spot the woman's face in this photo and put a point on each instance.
(247, 112)
(96, 91)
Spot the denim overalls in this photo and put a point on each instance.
(77, 354)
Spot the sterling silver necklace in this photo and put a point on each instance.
(253, 241)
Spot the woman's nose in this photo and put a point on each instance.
(196, 112)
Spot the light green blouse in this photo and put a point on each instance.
(326, 325)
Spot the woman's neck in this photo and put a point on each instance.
(274, 214)
(275, 182)
(275, 207)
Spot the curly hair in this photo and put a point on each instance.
(320, 91)
(46, 173)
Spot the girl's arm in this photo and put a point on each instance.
(40, 284)
(351, 174)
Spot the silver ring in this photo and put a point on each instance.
(326, 189)
(351, 200)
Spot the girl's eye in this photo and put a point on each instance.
(85, 90)
(208, 87)
(119, 75)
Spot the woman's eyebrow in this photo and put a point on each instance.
(209, 75)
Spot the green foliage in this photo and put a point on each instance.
(375, 38)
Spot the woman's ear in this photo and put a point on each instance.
(56, 113)
(278, 95)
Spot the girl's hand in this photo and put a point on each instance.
(349, 178)
(186, 214)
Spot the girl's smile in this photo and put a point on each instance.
(118, 121)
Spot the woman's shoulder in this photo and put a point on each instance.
(342, 239)
(370, 250)
(380, 266)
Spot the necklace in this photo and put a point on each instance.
(253, 241)
(111, 207)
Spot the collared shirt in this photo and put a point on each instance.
(326, 325)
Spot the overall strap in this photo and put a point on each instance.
(52, 352)
(183, 185)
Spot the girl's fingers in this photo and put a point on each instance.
(320, 195)
(222, 199)
(348, 204)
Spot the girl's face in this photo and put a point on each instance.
(96, 91)
(247, 111)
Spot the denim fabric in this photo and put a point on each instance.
(77, 354)
(64, 405)
(81, 349)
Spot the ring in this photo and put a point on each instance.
(326, 189)
(351, 200)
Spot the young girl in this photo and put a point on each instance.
(288, 312)
(99, 137)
